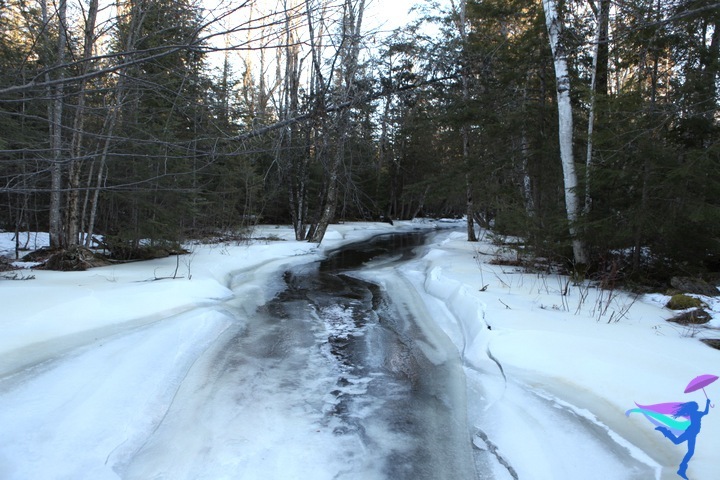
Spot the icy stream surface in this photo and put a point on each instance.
(335, 382)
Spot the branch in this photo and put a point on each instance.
(196, 42)
(338, 108)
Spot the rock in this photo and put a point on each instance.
(694, 285)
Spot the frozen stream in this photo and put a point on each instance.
(343, 374)
(333, 381)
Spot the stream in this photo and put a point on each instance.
(328, 377)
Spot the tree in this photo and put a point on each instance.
(461, 23)
(348, 53)
(55, 120)
(77, 147)
(598, 84)
(157, 122)
(137, 139)
(565, 130)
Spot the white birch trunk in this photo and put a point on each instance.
(565, 119)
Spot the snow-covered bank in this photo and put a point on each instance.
(557, 353)
(589, 351)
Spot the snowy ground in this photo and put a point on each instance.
(76, 398)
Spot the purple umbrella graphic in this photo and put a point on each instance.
(699, 382)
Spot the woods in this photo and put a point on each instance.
(587, 128)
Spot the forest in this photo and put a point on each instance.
(585, 131)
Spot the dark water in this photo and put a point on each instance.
(356, 255)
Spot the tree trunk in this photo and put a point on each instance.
(465, 128)
(565, 132)
(527, 190)
(603, 48)
(111, 121)
(598, 86)
(295, 165)
(384, 142)
(74, 167)
(55, 113)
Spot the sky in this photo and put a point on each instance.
(551, 366)
(389, 14)
(381, 16)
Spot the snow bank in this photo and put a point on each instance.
(595, 351)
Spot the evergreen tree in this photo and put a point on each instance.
(156, 153)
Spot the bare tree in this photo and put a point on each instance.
(55, 119)
(349, 53)
(96, 181)
(295, 165)
(72, 224)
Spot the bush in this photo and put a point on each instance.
(693, 317)
(683, 302)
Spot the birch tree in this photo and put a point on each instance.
(565, 125)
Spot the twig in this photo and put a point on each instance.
(177, 265)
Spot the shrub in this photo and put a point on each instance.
(683, 302)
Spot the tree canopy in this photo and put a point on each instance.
(155, 121)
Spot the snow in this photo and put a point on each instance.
(553, 374)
